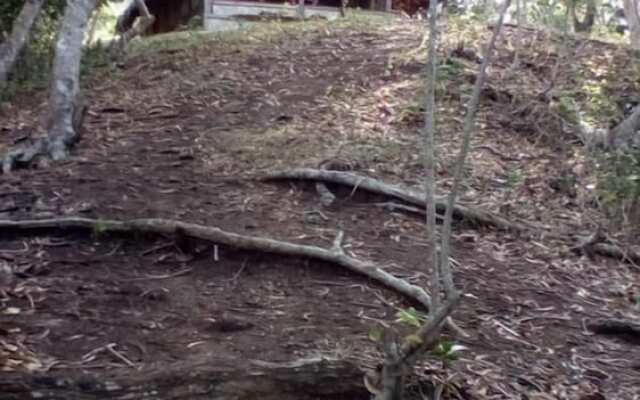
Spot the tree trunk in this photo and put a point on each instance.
(625, 135)
(64, 100)
(589, 19)
(211, 379)
(301, 9)
(10, 49)
(343, 7)
(633, 19)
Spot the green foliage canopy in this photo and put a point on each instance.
(9, 9)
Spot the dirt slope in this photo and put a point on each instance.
(176, 133)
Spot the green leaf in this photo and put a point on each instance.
(375, 334)
(414, 339)
(448, 350)
(410, 316)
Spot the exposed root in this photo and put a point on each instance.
(25, 154)
(356, 181)
(334, 255)
(613, 251)
(596, 244)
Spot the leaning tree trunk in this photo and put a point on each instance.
(64, 100)
(631, 12)
(10, 49)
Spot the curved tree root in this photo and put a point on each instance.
(334, 255)
(23, 155)
(409, 196)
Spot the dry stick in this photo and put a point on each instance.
(335, 255)
(407, 195)
(462, 156)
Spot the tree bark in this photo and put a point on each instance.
(625, 135)
(64, 100)
(631, 11)
(343, 8)
(589, 19)
(211, 379)
(428, 154)
(10, 49)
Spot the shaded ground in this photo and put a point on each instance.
(177, 133)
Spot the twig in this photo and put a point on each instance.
(119, 355)
(161, 277)
(237, 274)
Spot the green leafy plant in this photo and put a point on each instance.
(100, 228)
(410, 316)
(514, 178)
(375, 334)
(448, 350)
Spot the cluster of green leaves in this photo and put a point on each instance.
(445, 350)
(9, 9)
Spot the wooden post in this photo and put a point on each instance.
(301, 9)
(388, 5)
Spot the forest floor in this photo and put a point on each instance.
(181, 131)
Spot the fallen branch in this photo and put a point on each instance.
(416, 198)
(205, 379)
(334, 255)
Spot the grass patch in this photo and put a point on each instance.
(258, 32)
